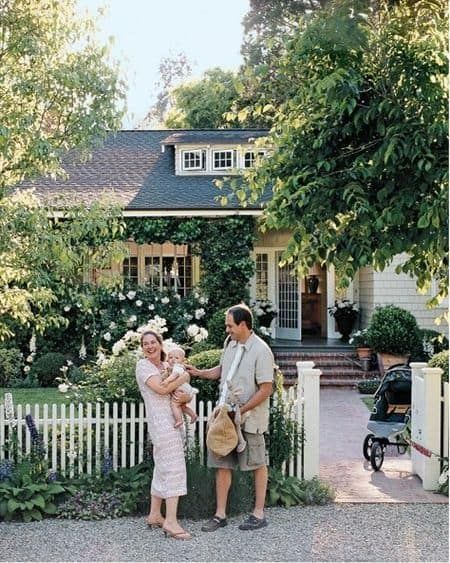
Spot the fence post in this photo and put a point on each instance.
(426, 435)
(309, 391)
(416, 414)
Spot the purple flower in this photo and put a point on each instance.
(107, 464)
(32, 428)
(6, 469)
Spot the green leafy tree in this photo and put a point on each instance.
(202, 104)
(58, 88)
(358, 168)
(172, 70)
(41, 256)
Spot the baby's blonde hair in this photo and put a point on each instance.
(176, 349)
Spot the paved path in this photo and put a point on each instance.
(343, 427)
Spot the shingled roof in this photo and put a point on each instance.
(132, 168)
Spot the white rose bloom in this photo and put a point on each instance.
(26, 369)
(129, 335)
(202, 300)
(83, 352)
(112, 325)
(204, 333)
(30, 358)
(198, 338)
(132, 319)
(196, 295)
(107, 336)
(199, 313)
(187, 316)
(63, 388)
(192, 330)
(118, 347)
(67, 308)
(63, 369)
(138, 303)
(151, 307)
(121, 297)
(69, 363)
(165, 300)
(131, 295)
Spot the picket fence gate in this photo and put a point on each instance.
(79, 438)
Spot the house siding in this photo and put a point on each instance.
(387, 287)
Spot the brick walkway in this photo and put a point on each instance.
(343, 427)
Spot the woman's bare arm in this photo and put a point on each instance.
(156, 385)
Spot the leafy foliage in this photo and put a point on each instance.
(441, 360)
(202, 104)
(393, 330)
(11, 361)
(368, 386)
(58, 89)
(208, 389)
(41, 257)
(285, 435)
(48, 367)
(358, 137)
(291, 491)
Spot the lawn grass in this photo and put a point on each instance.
(368, 401)
(32, 396)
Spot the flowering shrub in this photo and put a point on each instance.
(344, 309)
(112, 376)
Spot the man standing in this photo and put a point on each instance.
(252, 362)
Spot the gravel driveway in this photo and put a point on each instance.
(336, 532)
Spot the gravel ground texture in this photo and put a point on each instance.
(335, 532)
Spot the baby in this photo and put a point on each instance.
(175, 359)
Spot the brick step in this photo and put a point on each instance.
(332, 370)
(321, 362)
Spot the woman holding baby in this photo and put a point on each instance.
(169, 475)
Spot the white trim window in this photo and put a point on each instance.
(224, 159)
(194, 159)
(250, 157)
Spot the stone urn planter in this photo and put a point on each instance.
(385, 360)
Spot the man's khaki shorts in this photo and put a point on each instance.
(251, 458)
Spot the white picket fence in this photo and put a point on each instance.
(77, 437)
(429, 423)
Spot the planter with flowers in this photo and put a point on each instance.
(360, 340)
(264, 310)
(345, 314)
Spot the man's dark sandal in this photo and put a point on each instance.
(214, 524)
(253, 523)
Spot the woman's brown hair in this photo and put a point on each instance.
(158, 338)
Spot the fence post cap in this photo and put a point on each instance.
(305, 364)
(433, 371)
(312, 372)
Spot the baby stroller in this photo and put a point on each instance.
(390, 415)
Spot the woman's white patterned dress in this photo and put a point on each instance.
(169, 475)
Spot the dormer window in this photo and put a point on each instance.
(250, 158)
(224, 159)
(194, 160)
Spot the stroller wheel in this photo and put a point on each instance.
(368, 440)
(376, 455)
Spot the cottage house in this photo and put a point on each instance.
(171, 173)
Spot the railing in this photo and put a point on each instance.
(429, 423)
(77, 438)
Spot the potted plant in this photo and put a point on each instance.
(264, 310)
(345, 314)
(393, 333)
(360, 340)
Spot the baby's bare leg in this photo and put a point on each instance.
(177, 413)
(186, 409)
